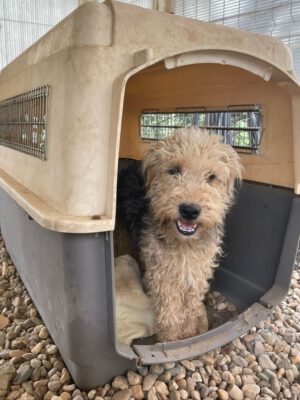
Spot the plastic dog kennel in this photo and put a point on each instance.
(74, 103)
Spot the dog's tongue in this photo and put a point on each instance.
(186, 228)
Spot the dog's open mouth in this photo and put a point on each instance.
(186, 228)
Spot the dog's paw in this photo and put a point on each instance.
(202, 320)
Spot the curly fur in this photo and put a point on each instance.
(190, 167)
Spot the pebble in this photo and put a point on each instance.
(4, 321)
(69, 388)
(251, 390)
(143, 371)
(188, 365)
(54, 386)
(13, 395)
(197, 377)
(265, 362)
(195, 395)
(91, 394)
(176, 370)
(191, 383)
(238, 380)
(120, 382)
(37, 348)
(161, 387)
(4, 354)
(64, 396)
(173, 385)
(169, 365)
(2, 338)
(26, 396)
(174, 395)
(35, 363)
(28, 356)
(235, 392)
(41, 383)
(52, 349)
(183, 394)
(65, 376)
(287, 393)
(157, 369)
(181, 383)
(268, 392)
(7, 372)
(137, 392)
(275, 385)
(16, 353)
(247, 379)
(289, 376)
(151, 395)
(258, 348)
(223, 394)
(204, 375)
(228, 377)
(148, 381)
(23, 373)
(43, 333)
(204, 391)
(134, 378)
(166, 376)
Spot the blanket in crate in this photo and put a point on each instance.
(134, 316)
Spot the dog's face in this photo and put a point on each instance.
(190, 182)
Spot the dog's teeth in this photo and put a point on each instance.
(186, 228)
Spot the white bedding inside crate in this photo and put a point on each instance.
(134, 316)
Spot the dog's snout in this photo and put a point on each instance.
(189, 211)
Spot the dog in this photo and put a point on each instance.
(173, 206)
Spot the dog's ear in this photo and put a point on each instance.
(235, 169)
(151, 161)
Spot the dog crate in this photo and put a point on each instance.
(100, 86)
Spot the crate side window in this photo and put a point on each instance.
(240, 126)
(23, 121)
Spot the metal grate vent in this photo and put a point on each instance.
(23, 122)
(240, 126)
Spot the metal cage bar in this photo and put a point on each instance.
(23, 122)
(240, 127)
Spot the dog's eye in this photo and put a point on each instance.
(176, 170)
(210, 178)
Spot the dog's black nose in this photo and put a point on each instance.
(189, 211)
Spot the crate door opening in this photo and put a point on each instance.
(254, 116)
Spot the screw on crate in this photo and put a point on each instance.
(95, 217)
(30, 217)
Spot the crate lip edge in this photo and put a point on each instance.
(47, 216)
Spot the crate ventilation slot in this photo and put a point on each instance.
(23, 122)
(240, 126)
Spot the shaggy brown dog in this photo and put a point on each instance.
(177, 224)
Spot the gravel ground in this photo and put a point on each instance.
(263, 364)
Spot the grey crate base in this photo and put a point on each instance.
(69, 279)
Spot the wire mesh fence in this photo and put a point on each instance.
(278, 18)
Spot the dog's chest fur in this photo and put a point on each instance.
(183, 265)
